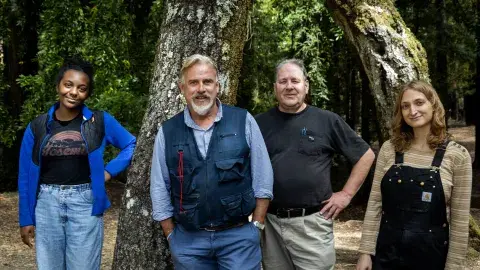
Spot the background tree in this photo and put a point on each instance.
(36, 36)
(18, 47)
(215, 28)
(121, 38)
(286, 29)
(477, 84)
(390, 53)
(441, 56)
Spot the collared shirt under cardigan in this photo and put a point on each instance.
(262, 174)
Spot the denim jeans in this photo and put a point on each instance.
(67, 236)
(231, 249)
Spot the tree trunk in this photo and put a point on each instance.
(20, 49)
(390, 53)
(476, 163)
(346, 90)
(215, 28)
(441, 57)
(12, 66)
(353, 96)
(366, 105)
(333, 80)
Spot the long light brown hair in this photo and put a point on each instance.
(402, 133)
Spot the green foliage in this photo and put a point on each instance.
(126, 105)
(7, 123)
(99, 33)
(421, 17)
(144, 41)
(3, 20)
(288, 29)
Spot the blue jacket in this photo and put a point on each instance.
(98, 129)
(215, 190)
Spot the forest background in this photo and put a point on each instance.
(120, 37)
(122, 40)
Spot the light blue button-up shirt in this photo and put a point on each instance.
(261, 168)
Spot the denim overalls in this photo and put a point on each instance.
(414, 230)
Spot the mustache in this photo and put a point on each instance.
(202, 96)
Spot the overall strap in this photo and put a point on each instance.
(398, 158)
(439, 153)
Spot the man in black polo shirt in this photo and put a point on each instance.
(301, 141)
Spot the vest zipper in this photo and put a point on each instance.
(83, 137)
(40, 150)
(206, 191)
(228, 135)
(88, 151)
(180, 176)
(47, 136)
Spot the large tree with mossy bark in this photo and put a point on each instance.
(390, 54)
(218, 29)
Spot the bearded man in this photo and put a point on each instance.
(209, 175)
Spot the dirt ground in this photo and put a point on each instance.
(15, 255)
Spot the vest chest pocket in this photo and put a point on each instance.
(230, 169)
(229, 142)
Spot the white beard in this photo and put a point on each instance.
(204, 109)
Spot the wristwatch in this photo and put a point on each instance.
(258, 225)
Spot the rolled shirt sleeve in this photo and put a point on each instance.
(261, 167)
(162, 207)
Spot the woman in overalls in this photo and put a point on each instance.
(420, 200)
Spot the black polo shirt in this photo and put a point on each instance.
(301, 147)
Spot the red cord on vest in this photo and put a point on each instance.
(180, 177)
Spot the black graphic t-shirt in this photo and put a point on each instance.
(64, 155)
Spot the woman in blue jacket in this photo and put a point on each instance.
(62, 174)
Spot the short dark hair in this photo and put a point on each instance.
(78, 64)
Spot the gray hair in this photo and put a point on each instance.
(195, 59)
(294, 61)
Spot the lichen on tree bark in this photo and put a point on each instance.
(390, 53)
(215, 28)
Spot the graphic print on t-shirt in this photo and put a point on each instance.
(65, 143)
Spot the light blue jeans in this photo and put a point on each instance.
(233, 249)
(67, 236)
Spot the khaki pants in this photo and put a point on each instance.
(302, 243)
